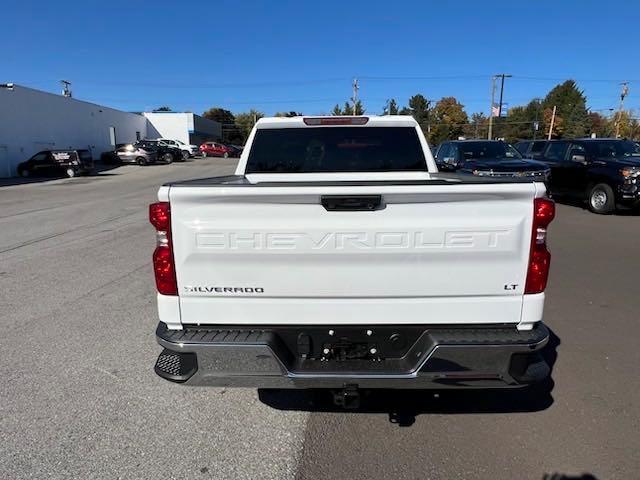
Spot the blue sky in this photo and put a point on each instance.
(301, 55)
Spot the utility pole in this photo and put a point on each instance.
(355, 94)
(66, 91)
(501, 91)
(553, 119)
(493, 94)
(623, 93)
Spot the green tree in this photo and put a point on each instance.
(220, 115)
(230, 131)
(419, 106)
(391, 107)
(558, 123)
(288, 114)
(449, 120)
(520, 122)
(348, 109)
(478, 126)
(245, 121)
(163, 109)
(571, 108)
(420, 109)
(629, 126)
(515, 126)
(600, 125)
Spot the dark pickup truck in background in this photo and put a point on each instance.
(603, 172)
(487, 158)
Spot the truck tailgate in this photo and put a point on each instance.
(431, 254)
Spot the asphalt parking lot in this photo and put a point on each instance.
(80, 399)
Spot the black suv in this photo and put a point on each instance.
(491, 158)
(604, 172)
(531, 148)
(55, 162)
(164, 153)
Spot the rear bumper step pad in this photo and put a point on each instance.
(434, 357)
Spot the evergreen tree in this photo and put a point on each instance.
(391, 107)
(571, 110)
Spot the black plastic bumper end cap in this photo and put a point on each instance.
(176, 367)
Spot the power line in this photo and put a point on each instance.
(182, 85)
(318, 81)
(570, 77)
(438, 77)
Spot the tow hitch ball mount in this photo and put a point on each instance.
(347, 397)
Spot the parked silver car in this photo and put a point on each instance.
(136, 154)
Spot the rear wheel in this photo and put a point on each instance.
(141, 161)
(226, 155)
(185, 155)
(70, 172)
(24, 172)
(167, 158)
(601, 199)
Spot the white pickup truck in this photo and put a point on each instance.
(337, 256)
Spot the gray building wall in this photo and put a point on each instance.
(33, 120)
(184, 126)
(205, 130)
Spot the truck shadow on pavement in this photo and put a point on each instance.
(403, 406)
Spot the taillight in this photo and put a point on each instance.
(539, 257)
(163, 264)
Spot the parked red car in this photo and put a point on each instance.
(213, 149)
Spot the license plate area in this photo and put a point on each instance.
(343, 350)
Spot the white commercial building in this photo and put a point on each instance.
(187, 127)
(32, 120)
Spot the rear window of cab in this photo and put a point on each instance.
(336, 149)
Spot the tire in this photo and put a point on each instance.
(601, 199)
(226, 155)
(25, 173)
(141, 161)
(70, 172)
(185, 155)
(167, 158)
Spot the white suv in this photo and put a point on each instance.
(187, 150)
